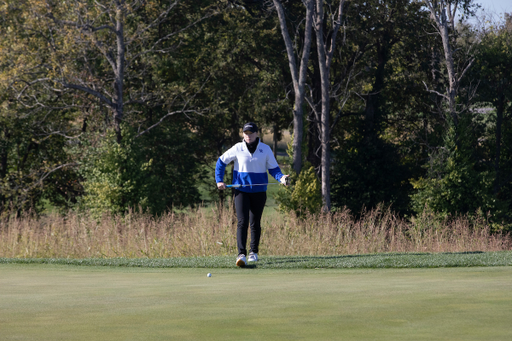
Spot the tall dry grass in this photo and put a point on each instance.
(212, 231)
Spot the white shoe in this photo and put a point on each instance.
(253, 257)
(241, 261)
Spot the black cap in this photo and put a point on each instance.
(250, 126)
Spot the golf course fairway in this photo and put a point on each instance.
(57, 302)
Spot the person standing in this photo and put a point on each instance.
(252, 158)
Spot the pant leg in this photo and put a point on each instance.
(257, 204)
(242, 204)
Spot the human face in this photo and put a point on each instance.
(249, 136)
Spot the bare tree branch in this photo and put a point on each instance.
(90, 91)
(435, 92)
(466, 69)
(336, 28)
(48, 135)
(155, 22)
(164, 117)
(55, 169)
(165, 38)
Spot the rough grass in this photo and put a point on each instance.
(374, 261)
(211, 232)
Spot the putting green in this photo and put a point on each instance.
(45, 302)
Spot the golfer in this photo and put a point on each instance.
(252, 160)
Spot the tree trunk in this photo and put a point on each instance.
(314, 130)
(325, 54)
(499, 122)
(443, 20)
(4, 152)
(324, 118)
(442, 25)
(119, 70)
(298, 128)
(298, 76)
(275, 139)
(373, 103)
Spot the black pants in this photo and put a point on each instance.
(249, 208)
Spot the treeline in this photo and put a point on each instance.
(107, 105)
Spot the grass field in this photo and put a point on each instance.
(361, 261)
(62, 302)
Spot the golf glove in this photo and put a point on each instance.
(284, 180)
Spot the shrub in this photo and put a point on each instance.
(454, 184)
(154, 173)
(303, 195)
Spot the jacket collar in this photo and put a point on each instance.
(247, 148)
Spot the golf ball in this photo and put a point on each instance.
(209, 275)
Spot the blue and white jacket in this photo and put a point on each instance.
(249, 168)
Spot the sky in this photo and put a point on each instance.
(493, 9)
(496, 6)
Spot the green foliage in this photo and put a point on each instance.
(32, 159)
(219, 64)
(505, 190)
(303, 195)
(454, 184)
(368, 172)
(154, 174)
(457, 188)
(374, 153)
(112, 176)
(467, 173)
(493, 68)
(241, 54)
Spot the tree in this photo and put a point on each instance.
(33, 163)
(101, 50)
(326, 48)
(298, 73)
(155, 172)
(382, 120)
(494, 67)
(241, 52)
(316, 18)
(443, 13)
(67, 63)
(455, 182)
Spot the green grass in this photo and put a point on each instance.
(56, 302)
(390, 260)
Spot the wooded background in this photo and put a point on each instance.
(107, 105)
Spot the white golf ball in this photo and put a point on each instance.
(209, 275)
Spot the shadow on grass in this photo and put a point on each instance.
(250, 266)
(384, 260)
(306, 259)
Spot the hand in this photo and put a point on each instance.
(221, 185)
(284, 180)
